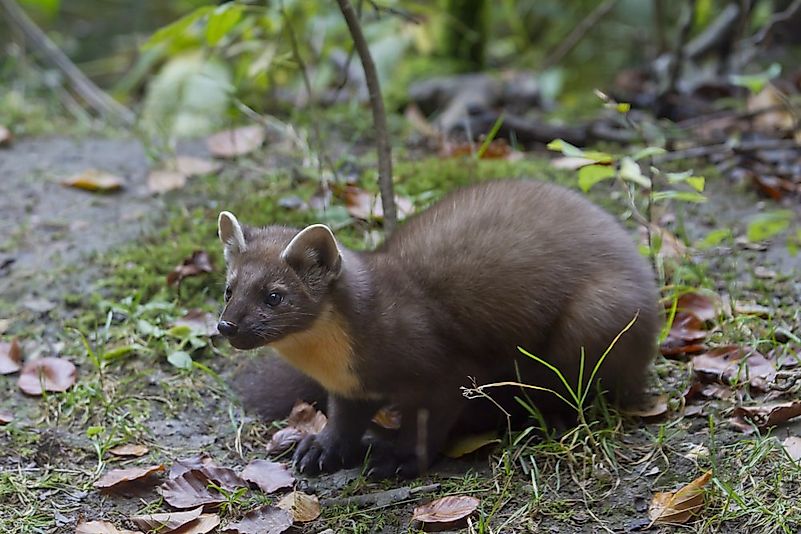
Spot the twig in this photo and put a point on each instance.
(380, 498)
(720, 30)
(92, 94)
(722, 148)
(379, 116)
(677, 64)
(400, 13)
(778, 18)
(578, 33)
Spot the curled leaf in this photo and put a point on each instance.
(189, 490)
(129, 449)
(5, 417)
(388, 418)
(118, 477)
(681, 505)
(704, 306)
(166, 522)
(199, 262)
(301, 506)
(304, 419)
(447, 509)
(96, 181)
(732, 363)
(765, 415)
(10, 357)
(269, 476)
(47, 374)
(651, 407)
(101, 527)
(203, 524)
(686, 335)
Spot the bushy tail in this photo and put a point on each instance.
(268, 387)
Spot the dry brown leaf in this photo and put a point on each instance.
(686, 335)
(101, 527)
(304, 419)
(732, 363)
(192, 166)
(200, 322)
(302, 506)
(96, 181)
(765, 415)
(166, 522)
(672, 247)
(47, 374)
(705, 306)
(162, 180)
(651, 407)
(265, 520)
(451, 509)
(772, 187)
(129, 449)
(183, 465)
(199, 262)
(236, 142)
(10, 357)
(267, 475)
(5, 417)
(118, 477)
(203, 524)
(368, 206)
(465, 445)
(779, 119)
(792, 445)
(189, 490)
(283, 440)
(6, 137)
(681, 505)
(388, 418)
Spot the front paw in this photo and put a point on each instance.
(325, 452)
(387, 462)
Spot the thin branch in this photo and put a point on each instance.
(578, 33)
(379, 116)
(778, 18)
(677, 64)
(95, 97)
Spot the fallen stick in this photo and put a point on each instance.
(380, 498)
(95, 97)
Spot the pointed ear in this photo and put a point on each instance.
(231, 234)
(314, 249)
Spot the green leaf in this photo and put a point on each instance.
(623, 107)
(180, 331)
(592, 174)
(180, 359)
(630, 171)
(648, 152)
(177, 28)
(118, 352)
(221, 21)
(697, 182)
(756, 82)
(684, 196)
(713, 238)
(768, 224)
(559, 145)
(93, 431)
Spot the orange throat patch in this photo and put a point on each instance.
(325, 353)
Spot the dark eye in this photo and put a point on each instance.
(274, 299)
(228, 293)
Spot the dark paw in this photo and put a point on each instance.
(323, 453)
(384, 462)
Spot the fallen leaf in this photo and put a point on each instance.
(96, 181)
(652, 407)
(166, 522)
(117, 477)
(10, 357)
(189, 490)
(5, 417)
(772, 187)
(203, 524)
(368, 206)
(200, 322)
(236, 142)
(686, 335)
(191, 166)
(304, 419)
(101, 527)
(6, 137)
(765, 415)
(731, 363)
(199, 262)
(388, 418)
(267, 475)
(183, 465)
(779, 118)
(704, 306)
(464, 445)
(161, 180)
(451, 509)
(671, 246)
(283, 440)
(301, 506)
(129, 449)
(681, 505)
(751, 308)
(792, 445)
(265, 520)
(47, 374)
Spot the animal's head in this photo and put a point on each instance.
(277, 281)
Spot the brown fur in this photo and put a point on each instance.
(445, 301)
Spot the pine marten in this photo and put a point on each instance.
(444, 303)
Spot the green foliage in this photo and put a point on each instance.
(769, 224)
(756, 82)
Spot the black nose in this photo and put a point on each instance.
(227, 328)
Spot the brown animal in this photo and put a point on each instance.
(445, 301)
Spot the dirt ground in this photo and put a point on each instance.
(71, 267)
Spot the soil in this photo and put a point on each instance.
(54, 248)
